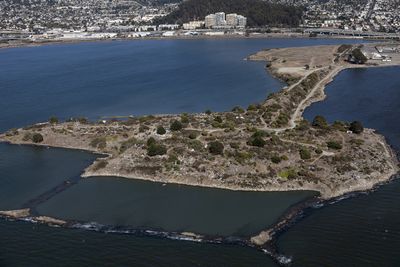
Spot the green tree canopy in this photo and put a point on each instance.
(320, 122)
(216, 148)
(176, 126)
(356, 127)
(161, 130)
(37, 138)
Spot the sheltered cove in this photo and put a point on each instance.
(362, 161)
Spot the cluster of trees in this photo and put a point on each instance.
(34, 137)
(257, 139)
(258, 12)
(358, 56)
(216, 148)
(154, 148)
(320, 122)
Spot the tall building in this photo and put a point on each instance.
(231, 19)
(210, 21)
(241, 21)
(220, 18)
(220, 21)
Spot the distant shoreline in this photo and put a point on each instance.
(29, 43)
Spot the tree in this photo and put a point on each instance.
(358, 56)
(356, 127)
(176, 126)
(185, 118)
(218, 119)
(319, 122)
(37, 138)
(257, 141)
(216, 148)
(238, 109)
(305, 153)
(150, 141)
(53, 120)
(155, 149)
(252, 107)
(258, 12)
(276, 159)
(161, 130)
(334, 145)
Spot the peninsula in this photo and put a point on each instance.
(266, 147)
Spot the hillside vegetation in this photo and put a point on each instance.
(258, 12)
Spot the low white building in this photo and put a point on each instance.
(164, 27)
(193, 25)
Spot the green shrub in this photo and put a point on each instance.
(143, 128)
(37, 138)
(150, 141)
(318, 151)
(27, 136)
(303, 125)
(357, 142)
(356, 127)
(259, 133)
(288, 174)
(257, 141)
(216, 148)
(218, 119)
(238, 109)
(252, 107)
(193, 135)
(334, 145)
(305, 153)
(339, 125)
(196, 145)
(155, 149)
(276, 159)
(176, 126)
(185, 118)
(161, 130)
(53, 120)
(100, 165)
(242, 156)
(319, 122)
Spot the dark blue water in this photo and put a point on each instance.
(369, 95)
(25, 244)
(133, 77)
(171, 207)
(26, 171)
(364, 230)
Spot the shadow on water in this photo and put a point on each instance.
(33, 203)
